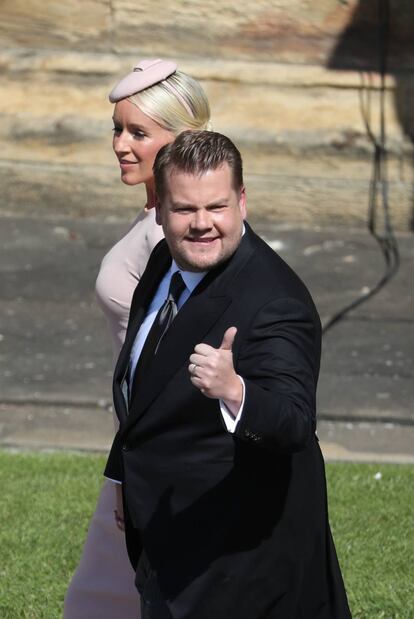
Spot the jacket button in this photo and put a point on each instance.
(125, 447)
(252, 436)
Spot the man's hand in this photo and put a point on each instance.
(119, 511)
(212, 371)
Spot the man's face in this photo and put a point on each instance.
(202, 217)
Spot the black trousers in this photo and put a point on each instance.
(153, 605)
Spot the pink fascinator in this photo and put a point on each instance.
(145, 74)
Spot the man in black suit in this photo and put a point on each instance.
(223, 479)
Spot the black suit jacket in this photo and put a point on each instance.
(236, 524)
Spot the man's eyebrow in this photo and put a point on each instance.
(182, 204)
(220, 202)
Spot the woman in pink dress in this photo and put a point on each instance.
(153, 104)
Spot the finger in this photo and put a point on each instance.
(228, 338)
(197, 382)
(119, 521)
(197, 359)
(203, 349)
(194, 370)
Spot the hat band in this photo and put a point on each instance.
(178, 96)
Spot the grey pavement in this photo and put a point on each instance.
(55, 357)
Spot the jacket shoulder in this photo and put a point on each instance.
(271, 277)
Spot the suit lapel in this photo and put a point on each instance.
(158, 265)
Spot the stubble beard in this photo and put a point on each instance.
(198, 265)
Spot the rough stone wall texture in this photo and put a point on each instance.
(287, 79)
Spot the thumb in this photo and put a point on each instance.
(228, 338)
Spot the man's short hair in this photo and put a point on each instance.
(196, 152)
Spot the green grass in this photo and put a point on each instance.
(47, 500)
(372, 522)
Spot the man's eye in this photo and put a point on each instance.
(117, 130)
(183, 210)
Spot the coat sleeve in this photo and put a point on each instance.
(114, 468)
(279, 362)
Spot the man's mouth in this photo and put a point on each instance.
(203, 240)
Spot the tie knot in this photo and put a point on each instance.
(177, 286)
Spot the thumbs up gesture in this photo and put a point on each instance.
(212, 371)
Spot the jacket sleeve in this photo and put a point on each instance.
(279, 362)
(114, 468)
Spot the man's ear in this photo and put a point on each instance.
(243, 203)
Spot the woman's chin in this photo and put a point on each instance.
(128, 179)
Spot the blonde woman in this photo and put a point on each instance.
(153, 104)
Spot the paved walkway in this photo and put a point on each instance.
(55, 360)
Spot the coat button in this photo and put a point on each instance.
(252, 436)
(125, 447)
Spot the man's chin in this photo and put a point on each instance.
(198, 264)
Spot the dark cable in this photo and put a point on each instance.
(378, 193)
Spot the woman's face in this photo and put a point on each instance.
(137, 140)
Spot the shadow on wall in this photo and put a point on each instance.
(382, 28)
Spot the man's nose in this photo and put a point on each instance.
(202, 220)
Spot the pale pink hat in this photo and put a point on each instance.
(145, 74)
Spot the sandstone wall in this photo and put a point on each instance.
(286, 78)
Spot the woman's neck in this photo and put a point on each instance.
(151, 196)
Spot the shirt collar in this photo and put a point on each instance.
(191, 279)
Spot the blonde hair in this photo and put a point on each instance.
(162, 105)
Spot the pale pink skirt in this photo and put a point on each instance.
(103, 585)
